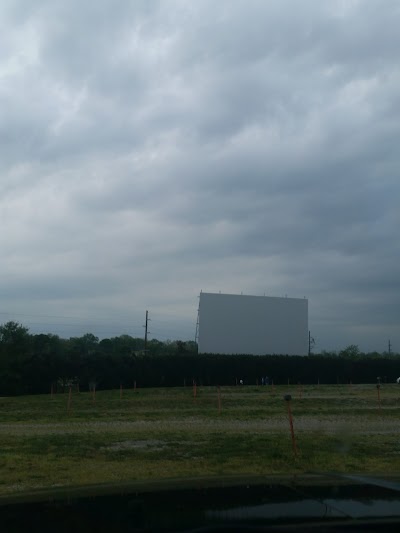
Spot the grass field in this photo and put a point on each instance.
(167, 433)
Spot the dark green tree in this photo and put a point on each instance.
(351, 351)
(15, 350)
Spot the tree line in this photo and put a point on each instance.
(33, 363)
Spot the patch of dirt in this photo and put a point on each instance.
(152, 444)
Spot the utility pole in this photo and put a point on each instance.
(311, 342)
(196, 336)
(146, 332)
(389, 347)
(197, 326)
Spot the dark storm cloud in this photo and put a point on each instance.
(153, 149)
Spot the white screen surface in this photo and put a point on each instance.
(258, 325)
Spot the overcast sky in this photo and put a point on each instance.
(153, 149)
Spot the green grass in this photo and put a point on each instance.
(166, 433)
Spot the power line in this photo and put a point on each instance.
(146, 331)
(50, 316)
(109, 321)
(168, 329)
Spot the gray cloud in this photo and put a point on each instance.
(153, 149)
